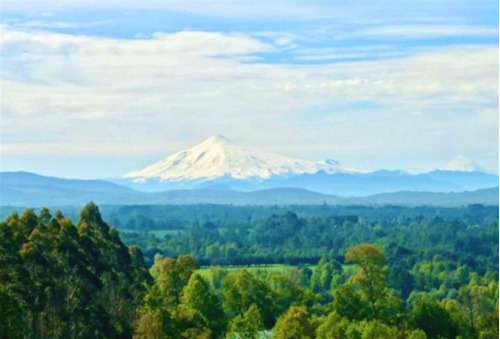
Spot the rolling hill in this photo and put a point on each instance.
(28, 189)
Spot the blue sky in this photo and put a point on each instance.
(100, 88)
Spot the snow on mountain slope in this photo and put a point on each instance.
(218, 156)
(462, 164)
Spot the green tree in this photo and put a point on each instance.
(377, 330)
(431, 317)
(348, 303)
(190, 323)
(62, 281)
(477, 305)
(293, 324)
(370, 275)
(334, 326)
(172, 276)
(241, 289)
(149, 326)
(417, 334)
(489, 325)
(246, 326)
(322, 276)
(197, 296)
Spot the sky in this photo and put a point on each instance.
(96, 89)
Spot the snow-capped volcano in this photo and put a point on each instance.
(462, 164)
(219, 157)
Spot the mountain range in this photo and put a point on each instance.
(219, 170)
(27, 189)
(219, 163)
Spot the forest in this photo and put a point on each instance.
(244, 272)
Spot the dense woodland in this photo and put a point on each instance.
(461, 234)
(388, 272)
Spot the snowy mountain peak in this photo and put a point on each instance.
(462, 164)
(217, 139)
(218, 157)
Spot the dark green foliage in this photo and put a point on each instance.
(62, 281)
(431, 317)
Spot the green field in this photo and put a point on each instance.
(278, 268)
(160, 234)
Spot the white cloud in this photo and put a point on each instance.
(86, 95)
